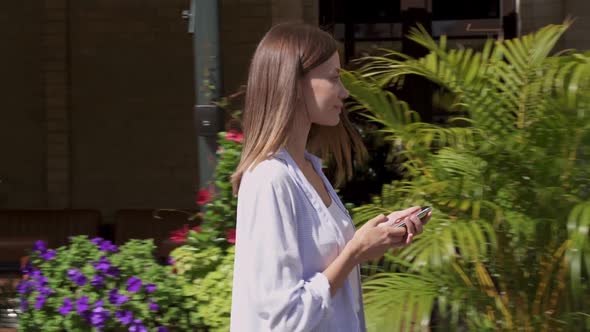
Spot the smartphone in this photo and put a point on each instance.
(423, 212)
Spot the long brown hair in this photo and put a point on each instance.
(284, 55)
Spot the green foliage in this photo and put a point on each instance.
(504, 174)
(218, 222)
(204, 265)
(214, 293)
(68, 274)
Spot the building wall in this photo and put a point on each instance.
(97, 95)
(242, 24)
(22, 118)
(133, 140)
(538, 13)
(578, 36)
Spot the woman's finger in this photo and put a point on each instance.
(410, 224)
(409, 239)
(402, 213)
(396, 232)
(426, 218)
(398, 242)
(417, 224)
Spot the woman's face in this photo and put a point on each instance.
(323, 92)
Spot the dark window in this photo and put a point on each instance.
(465, 9)
(366, 11)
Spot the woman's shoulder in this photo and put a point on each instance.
(272, 172)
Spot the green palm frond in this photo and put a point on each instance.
(501, 184)
(578, 253)
(444, 241)
(389, 309)
(400, 124)
(503, 86)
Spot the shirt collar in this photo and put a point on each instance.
(284, 155)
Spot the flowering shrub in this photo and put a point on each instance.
(214, 293)
(95, 285)
(204, 264)
(218, 222)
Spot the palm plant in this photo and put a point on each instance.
(509, 177)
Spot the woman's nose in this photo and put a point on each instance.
(343, 92)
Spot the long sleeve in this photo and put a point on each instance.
(269, 280)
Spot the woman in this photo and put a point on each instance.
(297, 252)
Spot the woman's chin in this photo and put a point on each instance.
(332, 123)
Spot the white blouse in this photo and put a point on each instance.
(347, 228)
(285, 238)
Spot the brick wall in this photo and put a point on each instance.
(538, 13)
(578, 36)
(242, 25)
(133, 141)
(55, 75)
(22, 117)
(311, 11)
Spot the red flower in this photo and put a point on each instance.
(230, 235)
(180, 235)
(235, 136)
(203, 197)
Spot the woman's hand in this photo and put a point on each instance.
(374, 238)
(413, 224)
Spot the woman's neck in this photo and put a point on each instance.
(297, 141)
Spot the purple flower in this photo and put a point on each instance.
(36, 274)
(133, 284)
(107, 246)
(117, 299)
(28, 268)
(24, 304)
(125, 317)
(153, 306)
(97, 281)
(162, 329)
(40, 246)
(150, 288)
(46, 291)
(66, 307)
(78, 277)
(97, 240)
(104, 245)
(170, 260)
(48, 255)
(113, 272)
(99, 316)
(41, 280)
(40, 301)
(86, 315)
(82, 304)
(137, 326)
(24, 287)
(103, 265)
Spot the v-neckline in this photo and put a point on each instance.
(322, 183)
(313, 194)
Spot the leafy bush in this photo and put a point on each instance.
(204, 264)
(507, 248)
(214, 293)
(218, 222)
(95, 285)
